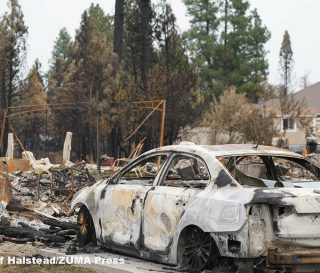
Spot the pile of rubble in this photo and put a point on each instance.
(21, 225)
(35, 203)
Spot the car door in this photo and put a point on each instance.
(122, 203)
(184, 177)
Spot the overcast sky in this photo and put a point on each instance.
(301, 18)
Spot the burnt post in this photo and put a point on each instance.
(98, 115)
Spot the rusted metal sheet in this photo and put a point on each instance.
(15, 164)
(293, 257)
(5, 189)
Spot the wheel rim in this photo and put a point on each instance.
(198, 250)
(83, 225)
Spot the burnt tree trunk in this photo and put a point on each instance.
(118, 28)
(145, 13)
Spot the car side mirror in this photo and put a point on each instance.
(112, 180)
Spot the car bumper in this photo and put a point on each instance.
(293, 257)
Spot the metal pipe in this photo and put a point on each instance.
(163, 118)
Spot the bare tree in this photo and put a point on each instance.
(304, 80)
(235, 116)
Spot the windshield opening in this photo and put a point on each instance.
(271, 171)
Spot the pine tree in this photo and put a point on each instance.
(286, 61)
(202, 39)
(226, 42)
(31, 125)
(12, 56)
(173, 78)
(92, 77)
(138, 39)
(103, 22)
(62, 47)
(13, 52)
(60, 56)
(244, 40)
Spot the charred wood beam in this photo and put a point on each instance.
(30, 234)
(15, 240)
(28, 213)
(60, 224)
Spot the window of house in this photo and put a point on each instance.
(185, 171)
(144, 171)
(288, 123)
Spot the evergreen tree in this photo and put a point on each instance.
(13, 52)
(12, 56)
(138, 39)
(31, 125)
(173, 78)
(62, 47)
(60, 55)
(226, 42)
(286, 61)
(202, 39)
(91, 77)
(103, 22)
(244, 38)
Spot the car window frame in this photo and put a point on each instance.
(266, 159)
(272, 163)
(116, 178)
(294, 160)
(169, 161)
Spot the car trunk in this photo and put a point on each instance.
(295, 211)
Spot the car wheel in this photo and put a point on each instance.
(86, 232)
(199, 250)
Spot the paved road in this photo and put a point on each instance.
(101, 262)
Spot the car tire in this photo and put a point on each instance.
(199, 250)
(86, 230)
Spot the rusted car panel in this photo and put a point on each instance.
(149, 215)
(300, 256)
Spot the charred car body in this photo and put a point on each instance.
(256, 207)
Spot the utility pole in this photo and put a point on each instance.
(98, 114)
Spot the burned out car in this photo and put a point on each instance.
(247, 207)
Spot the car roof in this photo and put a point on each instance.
(230, 150)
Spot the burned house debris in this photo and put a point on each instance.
(35, 202)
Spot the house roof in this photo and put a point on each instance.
(311, 95)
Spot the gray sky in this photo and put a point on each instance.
(46, 17)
